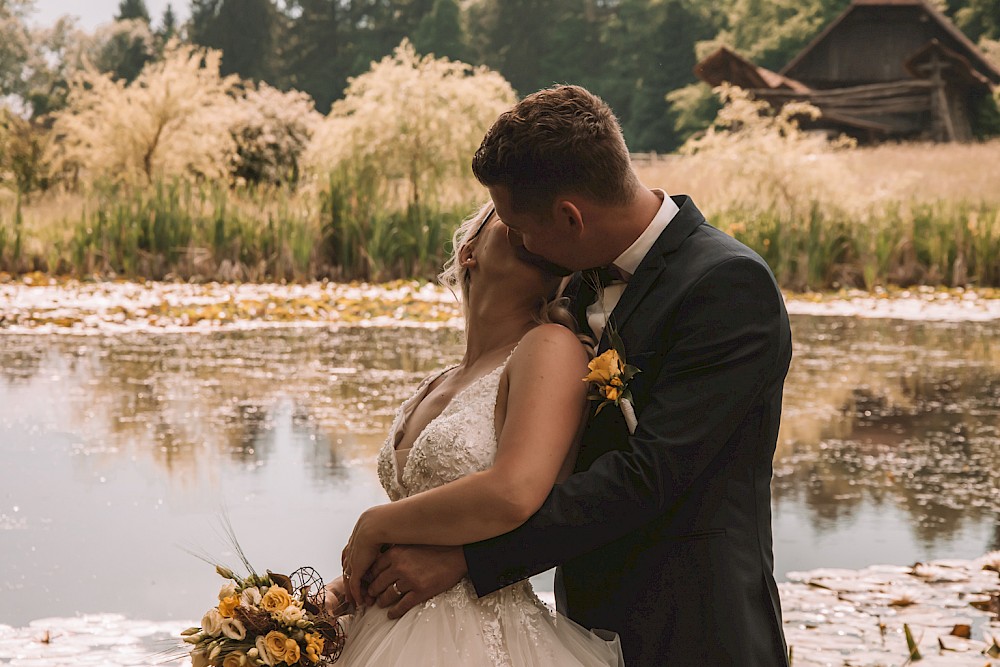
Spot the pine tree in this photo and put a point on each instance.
(654, 54)
(168, 24)
(244, 30)
(132, 9)
(318, 53)
(440, 32)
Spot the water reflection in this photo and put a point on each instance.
(890, 435)
(893, 414)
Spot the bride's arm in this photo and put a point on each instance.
(545, 406)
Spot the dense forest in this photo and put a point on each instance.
(637, 54)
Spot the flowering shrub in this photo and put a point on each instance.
(762, 158)
(172, 121)
(416, 119)
(271, 130)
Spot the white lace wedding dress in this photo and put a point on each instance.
(508, 628)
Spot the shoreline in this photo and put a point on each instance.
(41, 305)
(832, 617)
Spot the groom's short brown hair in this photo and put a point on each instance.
(560, 140)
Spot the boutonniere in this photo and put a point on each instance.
(609, 380)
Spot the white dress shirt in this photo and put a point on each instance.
(627, 262)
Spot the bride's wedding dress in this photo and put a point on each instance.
(509, 628)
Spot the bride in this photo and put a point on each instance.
(471, 456)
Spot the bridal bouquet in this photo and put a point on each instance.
(273, 620)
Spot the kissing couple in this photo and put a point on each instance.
(655, 510)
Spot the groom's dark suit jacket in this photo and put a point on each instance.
(665, 536)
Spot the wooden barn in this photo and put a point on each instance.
(884, 69)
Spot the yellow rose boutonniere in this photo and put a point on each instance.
(609, 379)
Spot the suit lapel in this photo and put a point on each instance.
(683, 223)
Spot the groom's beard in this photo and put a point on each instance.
(540, 262)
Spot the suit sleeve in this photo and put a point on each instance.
(723, 354)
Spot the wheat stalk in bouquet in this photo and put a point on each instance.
(267, 619)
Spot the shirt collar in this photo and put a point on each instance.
(629, 260)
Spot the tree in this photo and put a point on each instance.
(15, 46)
(771, 32)
(124, 48)
(415, 119)
(319, 54)
(58, 51)
(514, 38)
(440, 32)
(172, 121)
(271, 130)
(23, 148)
(243, 30)
(653, 53)
(980, 19)
(132, 9)
(168, 25)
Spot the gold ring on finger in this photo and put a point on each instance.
(395, 589)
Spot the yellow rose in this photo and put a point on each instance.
(276, 599)
(227, 606)
(314, 647)
(292, 653)
(611, 392)
(604, 367)
(276, 643)
(235, 659)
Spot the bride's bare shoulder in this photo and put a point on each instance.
(550, 344)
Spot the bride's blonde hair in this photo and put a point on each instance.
(552, 309)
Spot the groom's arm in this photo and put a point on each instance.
(725, 353)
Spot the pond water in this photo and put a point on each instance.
(118, 454)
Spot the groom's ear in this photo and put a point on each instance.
(568, 215)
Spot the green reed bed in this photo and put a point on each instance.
(931, 243)
(208, 232)
(347, 230)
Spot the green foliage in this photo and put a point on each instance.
(130, 46)
(693, 108)
(931, 243)
(24, 165)
(440, 32)
(168, 25)
(132, 9)
(246, 31)
(365, 240)
(663, 35)
(979, 18)
(771, 32)
(194, 231)
(985, 116)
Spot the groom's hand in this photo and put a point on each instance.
(407, 575)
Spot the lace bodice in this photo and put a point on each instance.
(507, 628)
(459, 441)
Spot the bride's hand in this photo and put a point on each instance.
(335, 602)
(359, 554)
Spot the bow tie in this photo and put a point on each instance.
(608, 275)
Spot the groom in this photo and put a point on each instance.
(662, 536)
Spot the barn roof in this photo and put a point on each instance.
(971, 52)
(725, 65)
(958, 64)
